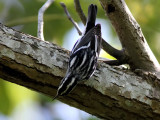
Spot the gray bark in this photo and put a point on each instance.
(112, 92)
(130, 35)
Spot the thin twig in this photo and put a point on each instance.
(70, 18)
(80, 11)
(40, 18)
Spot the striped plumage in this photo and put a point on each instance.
(84, 55)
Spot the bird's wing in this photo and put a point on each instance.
(84, 41)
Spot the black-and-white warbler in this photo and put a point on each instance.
(84, 55)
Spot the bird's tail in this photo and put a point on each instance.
(92, 12)
(66, 86)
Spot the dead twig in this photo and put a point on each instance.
(80, 11)
(70, 18)
(40, 18)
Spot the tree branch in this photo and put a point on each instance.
(131, 36)
(40, 18)
(80, 11)
(120, 55)
(70, 18)
(40, 65)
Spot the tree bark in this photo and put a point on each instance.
(112, 92)
(130, 35)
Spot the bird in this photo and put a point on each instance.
(84, 55)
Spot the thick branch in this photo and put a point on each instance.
(39, 65)
(130, 35)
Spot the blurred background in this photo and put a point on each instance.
(19, 103)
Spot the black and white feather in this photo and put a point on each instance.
(84, 55)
